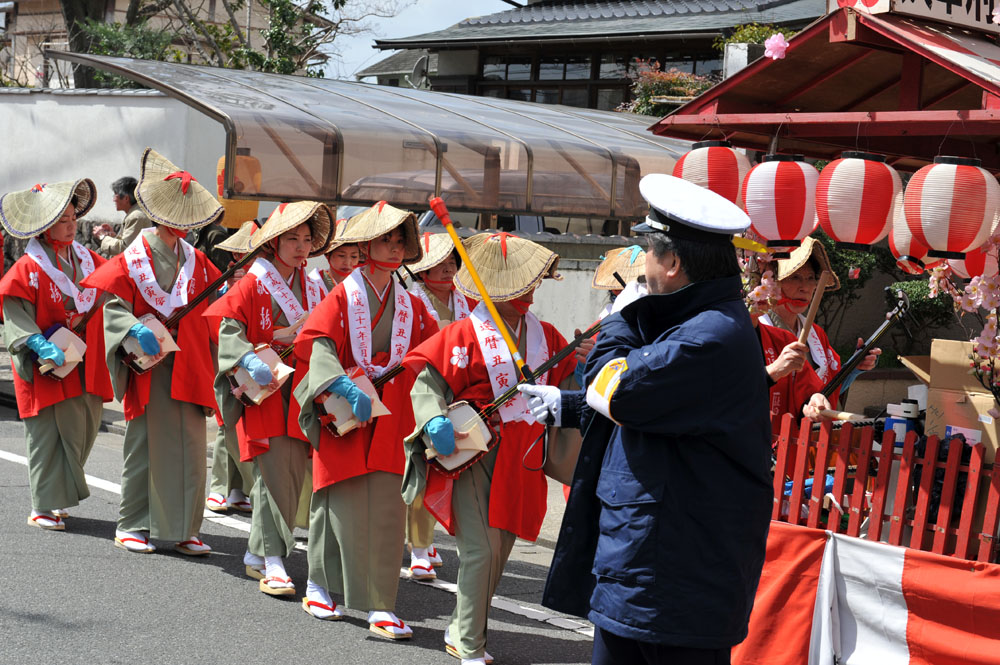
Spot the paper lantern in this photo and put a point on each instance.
(976, 263)
(910, 253)
(951, 206)
(716, 166)
(246, 180)
(857, 197)
(779, 195)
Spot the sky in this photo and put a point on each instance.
(419, 17)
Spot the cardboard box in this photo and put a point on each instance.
(955, 398)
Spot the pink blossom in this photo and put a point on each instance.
(775, 46)
(996, 14)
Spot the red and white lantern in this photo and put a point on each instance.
(910, 253)
(951, 206)
(978, 262)
(716, 166)
(857, 197)
(779, 195)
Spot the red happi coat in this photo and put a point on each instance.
(378, 447)
(792, 391)
(28, 281)
(517, 494)
(250, 303)
(193, 374)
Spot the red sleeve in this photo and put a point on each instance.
(233, 303)
(15, 282)
(113, 278)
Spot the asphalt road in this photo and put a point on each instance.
(72, 597)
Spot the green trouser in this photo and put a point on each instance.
(482, 554)
(419, 524)
(163, 477)
(278, 476)
(59, 440)
(305, 498)
(228, 472)
(355, 540)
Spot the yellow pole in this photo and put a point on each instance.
(441, 210)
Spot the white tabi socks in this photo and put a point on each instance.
(319, 603)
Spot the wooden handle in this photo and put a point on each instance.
(824, 279)
(840, 415)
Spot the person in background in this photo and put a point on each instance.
(40, 294)
(135, 219)
(231, 478)
(663, 538)
(502, 495)
(434, 284)
(798, 276)
(341, 259)
(163, 475)
(267, 307)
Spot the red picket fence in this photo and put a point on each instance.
(883, 501)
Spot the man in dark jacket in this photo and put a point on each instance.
(663, 538)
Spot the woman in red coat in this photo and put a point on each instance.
(266, 307)
(368, 323)
(41, 293)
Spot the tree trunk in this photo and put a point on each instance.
(75, 12)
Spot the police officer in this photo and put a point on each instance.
(662, 542)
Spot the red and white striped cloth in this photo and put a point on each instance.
(826, 598)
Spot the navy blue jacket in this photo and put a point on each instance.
(664, 532)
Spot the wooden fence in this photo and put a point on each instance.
(874, 489)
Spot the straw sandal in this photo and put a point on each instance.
(48, 521)
(265, 586)
(334, 615)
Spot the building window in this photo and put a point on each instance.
(608, 99)
(501, 68)
(575, 97)
(393, 82)
(613, 66)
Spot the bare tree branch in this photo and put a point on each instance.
(235, 24)
(182, 9)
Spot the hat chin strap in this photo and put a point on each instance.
(440, 283)
(793, 301)
(180, 233)
(58, 244)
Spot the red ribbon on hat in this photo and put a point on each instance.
(281, 207)
(503, 235)
(427, 241)
(38, 188)
(185, 178)
(381, 204)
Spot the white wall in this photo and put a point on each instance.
(50, 137)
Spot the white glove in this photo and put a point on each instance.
(545, 403)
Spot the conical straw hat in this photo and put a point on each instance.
(508, 266)
(379, 220)
(437, 247)
(239, 242)
(629, 262)
(287, 216)
(335, 237)
(171, 197)
(800, 256)
(30, 212)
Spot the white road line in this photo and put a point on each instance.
(224, 520)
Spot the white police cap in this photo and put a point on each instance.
(683, 209)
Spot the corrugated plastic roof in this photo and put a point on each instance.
(349, 142)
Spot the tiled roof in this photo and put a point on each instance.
(556, 20)
(399, 63)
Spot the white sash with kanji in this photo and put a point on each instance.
(459, 305)
(500, 364)
(317, 276)
(359, 325)
(141, 272)
(82, 300)
(272, 280)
